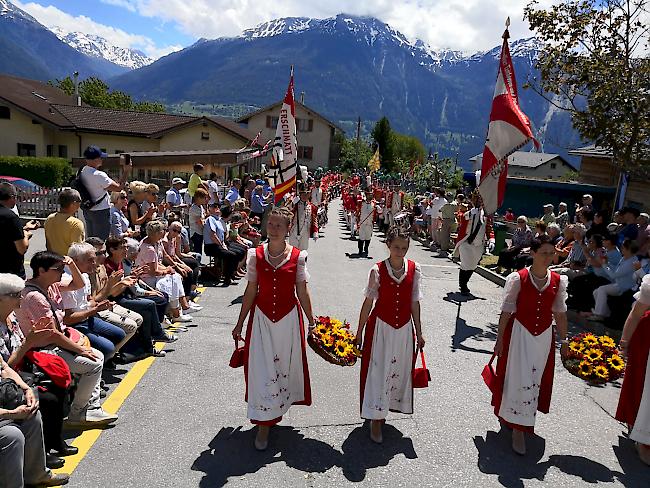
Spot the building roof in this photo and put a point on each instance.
(246, 117)
(52, 105)
(525, 159)
(592, 151)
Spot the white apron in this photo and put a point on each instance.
(641, 430)
(527, 358)
(302, 224)
(389, 382)
(471, 254)
(366, 221)
(275, 366)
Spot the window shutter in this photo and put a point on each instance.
(268, 121)
(311, 125)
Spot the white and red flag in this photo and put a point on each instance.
(282, 171)
(509, 130)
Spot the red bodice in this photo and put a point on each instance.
(394, 303)
(276, 292)
(534, 308)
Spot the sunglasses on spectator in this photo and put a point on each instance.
(13, 295)
(101, 252)
(59, 268)
(154, 194)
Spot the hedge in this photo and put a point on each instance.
(47, 172)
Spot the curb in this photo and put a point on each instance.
(495, 278)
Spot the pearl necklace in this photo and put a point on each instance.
(279, 255)
(397, 271)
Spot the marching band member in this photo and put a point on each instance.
(388, 346)
(471, 246)
(275, 360)
(525, 344)
(634, 402)
(366, 221)
(304, 220)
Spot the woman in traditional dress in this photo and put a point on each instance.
(634, 403)
(525, 344)
(388, 349)
(472, 245)
(275, 364)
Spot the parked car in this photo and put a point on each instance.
(22, 184)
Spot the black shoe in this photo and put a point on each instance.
(53, 462)
(227, 282)
(465, 292)
(67, 450)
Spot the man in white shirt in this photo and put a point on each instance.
(98, 184)
(213, 189)
(434, 212)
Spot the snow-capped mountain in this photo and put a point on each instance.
(9, 11)
(98, 47)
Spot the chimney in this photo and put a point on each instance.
(77, 98)
(302, 97)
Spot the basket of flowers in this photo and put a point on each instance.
(593, 358)
(332, 340)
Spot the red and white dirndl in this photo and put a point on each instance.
(634, 402)
(388, 347)
(525, 369)
(275, 364)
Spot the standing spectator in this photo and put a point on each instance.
(448, 216)
(549, 215)
(196, 181)
(62, 229)
(173, 197)
(233, 194)
(119, 221)
(630, 229)
(197, 219)
(135, 211)
(213, 188)
(433, 212)
(15, 238)
(643, 237)
(598, 225)
(98, 184)
(562, 218)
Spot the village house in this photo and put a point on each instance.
(316, 142)
(37, 119)
(541, 166)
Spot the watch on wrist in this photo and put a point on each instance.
(564, 341)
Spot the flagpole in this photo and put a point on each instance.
(295, 188)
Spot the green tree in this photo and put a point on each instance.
(382, 135)
(354, 154)
(408, 148)
(96, 93)
(594, 64)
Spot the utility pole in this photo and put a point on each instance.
(358, 140)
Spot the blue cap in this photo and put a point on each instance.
(259, 182)
(93, 152)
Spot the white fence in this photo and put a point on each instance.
(39, 203)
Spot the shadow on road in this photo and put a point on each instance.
(231, 453)
(464, 331)
(495, 456)
(635, 473)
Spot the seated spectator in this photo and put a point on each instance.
(598, 225)
(581, 287)
(540, 229)
(62, 229)
(521, 238)
(564, 246)
(42, 297)
(233, 192)
(82, 312)
(614, 227)
(173, 199)
(643, 237)
(151, 201)
(509, 215)
(247, 231)
(190, 274)
(214, 237)
(630, 228)
(159, 276)
(549, 214)
(234, 241)
(576, 259)
(621, 277)
(186, 244)
(554, 233)
(120, 226)
(197, 219)
(137, 216)
(562, 218)
(13, 347)
(22, 450)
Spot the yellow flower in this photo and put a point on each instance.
(601, 372)
(576, 346)
(590, 340)
(607, 341)
(616, 362)
(585, 368)
(340, 348)
(327, 340)
(593, 354)
(321, 329)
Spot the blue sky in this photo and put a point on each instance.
(158, 27)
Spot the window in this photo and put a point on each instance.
(205, 136)
(26, 149)
(63, 151)
(49, 150)
(5, 113)
(304, 125)
(305, 152)
(553, 165)
(119, 151)
(35, 122)
(271, 122)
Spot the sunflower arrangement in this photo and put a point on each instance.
(593, 358)
(332, 340)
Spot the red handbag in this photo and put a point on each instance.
(489, 375)
(237, 358)
(54, 367)
(421, 376)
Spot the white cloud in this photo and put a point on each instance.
(51, 16)
(130, 6)
(467, 25)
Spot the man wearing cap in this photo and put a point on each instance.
(549, 215)
(98, 184)
(173, 197)
(562, 218)
(304, 223)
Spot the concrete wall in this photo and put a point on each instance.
(319, 138)
(189, 139)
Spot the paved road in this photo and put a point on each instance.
(185, 423)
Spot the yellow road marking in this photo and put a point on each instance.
(112, 404)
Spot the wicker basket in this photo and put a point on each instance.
(589, 381)
(328, 356)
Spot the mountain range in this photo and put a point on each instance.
(346, 67)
